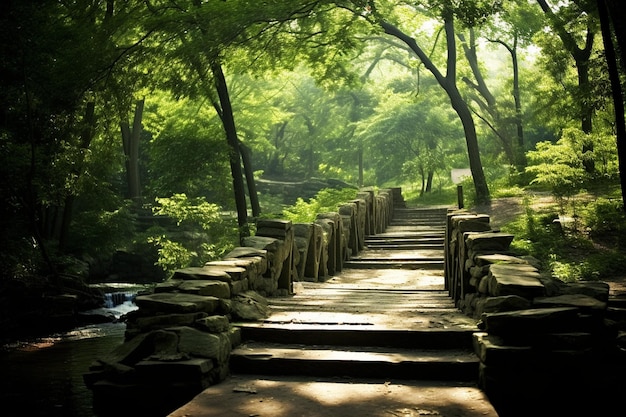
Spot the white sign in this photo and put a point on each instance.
(459, 174)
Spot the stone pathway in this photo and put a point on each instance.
(381, 338)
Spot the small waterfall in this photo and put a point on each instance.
(116, 304)
(119, 303)
(114, 299)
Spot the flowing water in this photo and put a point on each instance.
(44, 377)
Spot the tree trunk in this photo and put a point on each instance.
(310, 153)
(360, 157)
(487, 102)
(429, 182)
(616, 12)
(228, 121)
(85, 141)
(581, 57)
(247, 168)
(448, 83)
(520, 151)
(274, 167)
(618, 98)
(471, 140)
(130, 139)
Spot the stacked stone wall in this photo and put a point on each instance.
(542, 341)
(179, 340)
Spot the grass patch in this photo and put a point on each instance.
(445, 196)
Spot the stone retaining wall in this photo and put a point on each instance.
(543, 341)
(179, 340)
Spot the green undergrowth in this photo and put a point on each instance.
(444, 196)
(582, 239)
(326, 200)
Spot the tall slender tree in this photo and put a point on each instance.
(613, 32)
(447, 81)
(580, 51)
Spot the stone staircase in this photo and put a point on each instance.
(384, 337)
(386, 315)
(413, 240)
(381, 337)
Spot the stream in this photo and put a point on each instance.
(44, 377)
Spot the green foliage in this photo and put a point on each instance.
(20, 259)
(560, 167)
(469, 12)
(567, 251)
(606, 219)
(172, 255)
(442, 196)
(501, 178)
(101, 232)
(536, 235)
(567, 272)
(408, 137)
(187, 152)
(202, 233)
(511, 191)
(357, 96)
(188, 210)
(326, 200)
(595, 265)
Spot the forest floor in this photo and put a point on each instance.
(506, 209)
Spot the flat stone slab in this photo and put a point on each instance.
(353, 353)
(217, 289)
(355, 361)
(515, 269)
(534, 320)
(202, 272)
(498, 258)
(517, 279)
(488, 241)
(571, 300)
(381, 254)
(264, 243)
(244, 252)
(178, 303)
(276, 396)
(491, 350)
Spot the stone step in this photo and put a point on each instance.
(400, 255)
(414, 229)
(617, 302)
(416, 212)
(425, 263)
(348, 297)
(419, 216)
(410, 215)
(305, 396)
(411, 238)
(361, 362)
(406, 236)
(437, 241)
(416, 222)
(402, 246)
(357, 334)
